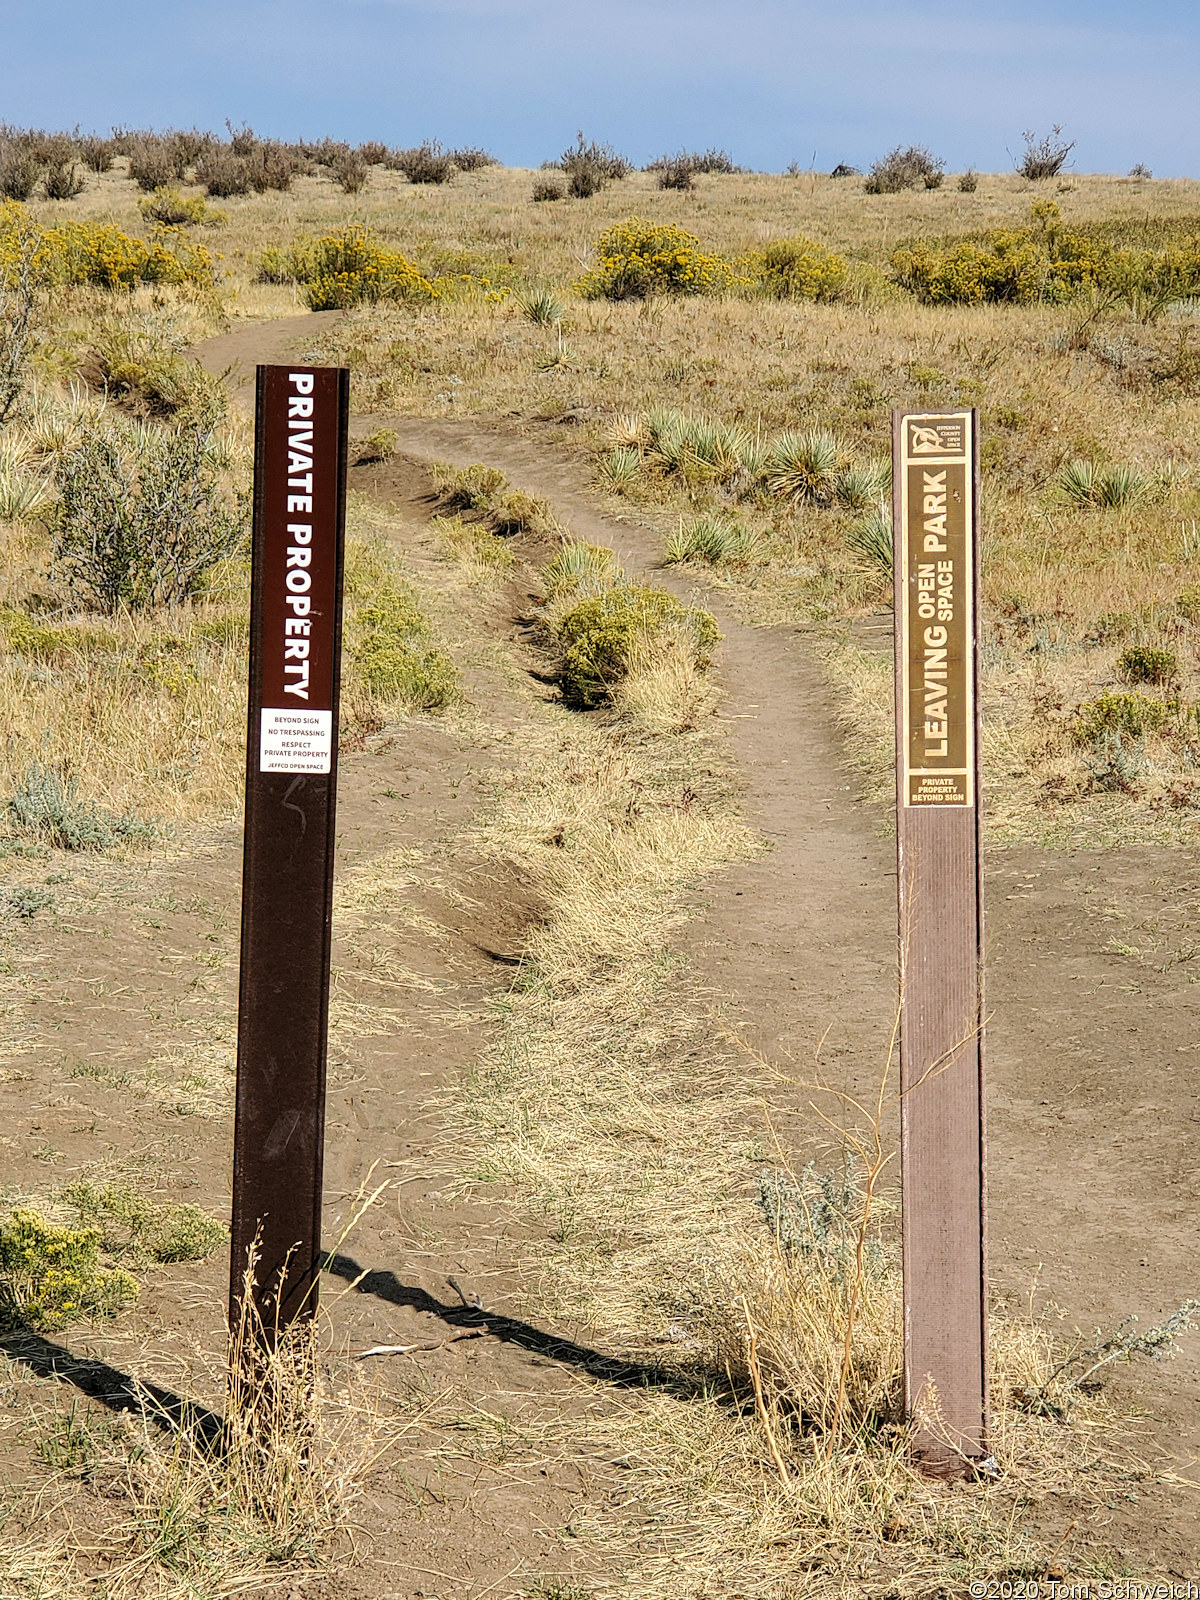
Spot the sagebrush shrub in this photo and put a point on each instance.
(44, 804)
(19, 170)
(63, 181)
(590, 167)
(97, 154)
(549, 189)
(351, 172)
(426, 163)
(905, 167)
(153, 164)
(142, 517)
(640, 258)
(470, 158)
(1044, 157)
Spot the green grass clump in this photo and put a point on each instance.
(1090, 483)
(391, 657)
(135, 1228)
(581, 569)
(637, 259)
(52, 1276)
(599, 635)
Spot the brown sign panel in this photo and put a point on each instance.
(287, 883)
(938, 617)
(935, 505)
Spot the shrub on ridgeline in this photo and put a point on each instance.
(968, 182)
(549, 189)
(590, 167)
(905, 167)
(19, 169)
(470, 158)
(374, 152)
(1044, 157)
(96, 154)
(154, 164)
(350, 171)
(425, 163)
(63, 180)
(637, 259)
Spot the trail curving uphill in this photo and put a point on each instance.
(1094, 1097)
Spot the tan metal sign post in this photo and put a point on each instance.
(287, 879)
(935, 458)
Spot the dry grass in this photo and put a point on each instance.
(619, 1115)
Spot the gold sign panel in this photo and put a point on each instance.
(936, 563)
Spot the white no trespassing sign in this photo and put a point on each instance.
(295, 741)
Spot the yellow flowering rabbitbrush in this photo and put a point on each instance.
(637, 258)
(350, 266)
(97, 253)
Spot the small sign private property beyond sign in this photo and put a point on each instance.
(287, 884)
(935, 521)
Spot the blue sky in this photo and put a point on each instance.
(772, 81)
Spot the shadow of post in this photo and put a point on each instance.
(385, 1285)
(112, 1388)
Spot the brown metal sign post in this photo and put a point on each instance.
(287, 882)
(935, 457)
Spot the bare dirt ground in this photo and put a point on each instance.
(1093, 1104)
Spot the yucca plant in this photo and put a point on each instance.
(717, 540)
(1084, 483)
(871, 539)
(626, 432)
(21, 497)
(541, 305)
(621, 467)
(858, 488)
(1122, 486)
(581, 569)
(803, 466)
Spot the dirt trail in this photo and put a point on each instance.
(1094, 1101)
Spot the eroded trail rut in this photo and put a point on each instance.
(1094, 1102)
